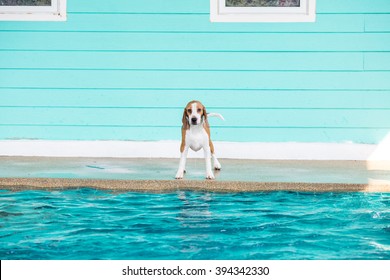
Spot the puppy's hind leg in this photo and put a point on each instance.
(216, 164)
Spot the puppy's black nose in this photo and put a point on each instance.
(194, 120)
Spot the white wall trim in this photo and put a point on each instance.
(170, 149)
(218, 13)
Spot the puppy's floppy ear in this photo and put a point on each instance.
(205, 117)
(185, 121)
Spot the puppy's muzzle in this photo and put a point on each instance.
(194, 120)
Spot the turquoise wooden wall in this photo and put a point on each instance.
(124, 69)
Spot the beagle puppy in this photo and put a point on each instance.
(195, 134)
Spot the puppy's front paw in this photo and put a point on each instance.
(210, 176)
(180, 174)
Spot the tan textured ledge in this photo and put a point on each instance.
(18, 184)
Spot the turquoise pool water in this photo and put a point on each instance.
(92, 224)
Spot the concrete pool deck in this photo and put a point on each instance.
(157, 175)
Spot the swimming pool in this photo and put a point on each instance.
(91, 224)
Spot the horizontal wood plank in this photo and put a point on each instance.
(341, 118)
(377, 23)
(377, 61)
(186, 23)
(213, 99)
(243, 42)
(181, 60)
(125, 79)
(353, 6)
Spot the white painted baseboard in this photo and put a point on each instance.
(170, 149)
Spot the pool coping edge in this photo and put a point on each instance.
(19, 184)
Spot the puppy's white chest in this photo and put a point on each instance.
(195, 140)
(196, 146)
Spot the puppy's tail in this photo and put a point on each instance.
(216, 115)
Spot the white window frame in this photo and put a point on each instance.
(220, 13)
(55, 12)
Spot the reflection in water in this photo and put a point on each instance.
(194, 215)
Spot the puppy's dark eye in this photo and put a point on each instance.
(199, 110)
(189, 111)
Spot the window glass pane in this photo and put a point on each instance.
(25, 2)
(262, 3)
